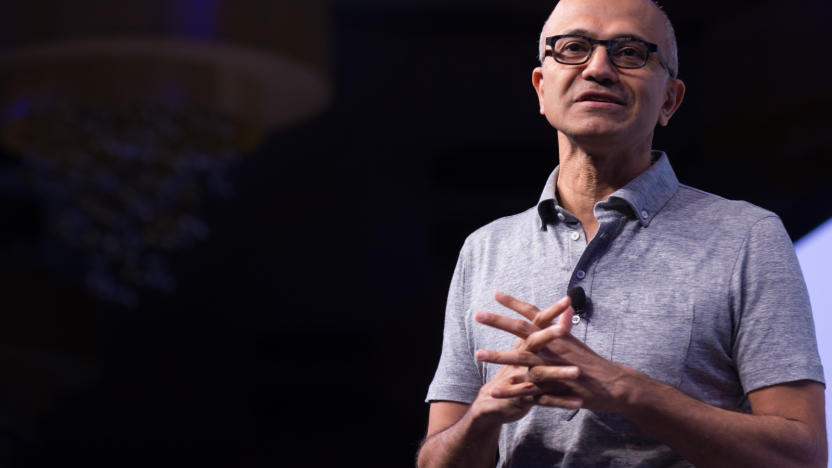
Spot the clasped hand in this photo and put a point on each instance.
(560, 370)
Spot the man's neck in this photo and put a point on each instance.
(584, 179)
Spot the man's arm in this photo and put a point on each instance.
(466, 435)
(787, 427)
(454, 438)
(463, 435)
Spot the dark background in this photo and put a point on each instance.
(305, 329)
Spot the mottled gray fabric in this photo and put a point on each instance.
(696, 291)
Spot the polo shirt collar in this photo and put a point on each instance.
(548, 209)
(651, 190)
(645, 195)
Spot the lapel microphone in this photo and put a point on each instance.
(578, 297)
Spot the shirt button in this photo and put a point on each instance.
(580, 274)
(561, 217)
(576, 319)
(575, 236)
(644, 214)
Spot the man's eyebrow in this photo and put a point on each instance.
(590, 34)
(579, 31)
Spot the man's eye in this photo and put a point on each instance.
(575, 47)
(628, 52)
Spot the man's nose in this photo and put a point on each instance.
(599, 67)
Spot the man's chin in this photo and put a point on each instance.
(597, 133)
(599, 140)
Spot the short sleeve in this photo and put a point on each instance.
(774, 334)
(457, 377)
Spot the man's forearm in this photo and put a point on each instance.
(787, 427)
(710, 436)
(467, 443)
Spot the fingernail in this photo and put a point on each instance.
(572, 372)
(482, 354)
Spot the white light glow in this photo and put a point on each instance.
(814, 251)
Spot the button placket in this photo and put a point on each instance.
(608, 230)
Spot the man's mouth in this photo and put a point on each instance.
(595, 96)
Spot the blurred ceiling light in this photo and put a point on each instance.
(124, 112)
(262, 62)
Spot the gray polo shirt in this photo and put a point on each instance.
(696, 291)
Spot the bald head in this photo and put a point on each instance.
(655, 14)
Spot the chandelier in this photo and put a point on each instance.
(125, 115)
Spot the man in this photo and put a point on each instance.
(694, 343)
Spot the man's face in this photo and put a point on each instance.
(597, 103)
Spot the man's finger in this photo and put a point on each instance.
(567, 402)
(537, 340)
(517, 327)
(529, 386)
(523, 308)
(513, 358)
(565, 320)
(544, 317)
(524, 389)
(547, 375)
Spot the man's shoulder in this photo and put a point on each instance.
(506, 230)
(711, 209)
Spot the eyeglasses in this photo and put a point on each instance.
(624, 52)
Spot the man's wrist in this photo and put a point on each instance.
(481, 421)
(637, 393)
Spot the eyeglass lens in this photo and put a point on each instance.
(625, 53)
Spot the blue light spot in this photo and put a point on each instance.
(18, 108)
(196, 19)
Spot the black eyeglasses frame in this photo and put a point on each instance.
(651, 48)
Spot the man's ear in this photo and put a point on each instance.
(673, 96)
(537, 82)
